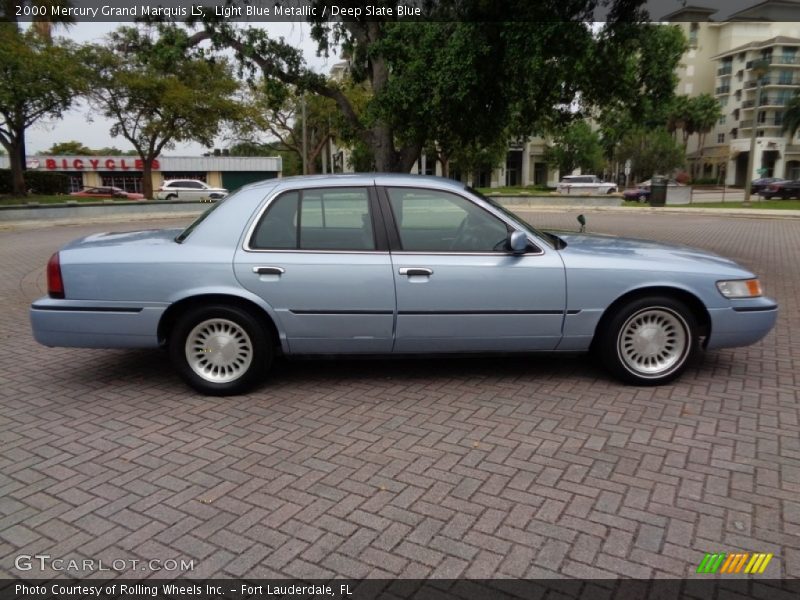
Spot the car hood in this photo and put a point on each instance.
(146, 237)
(659, 255)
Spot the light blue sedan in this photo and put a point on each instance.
(390, 265)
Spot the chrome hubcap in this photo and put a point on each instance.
(219, 350)
(653, 342)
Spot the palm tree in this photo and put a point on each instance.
(791, 116)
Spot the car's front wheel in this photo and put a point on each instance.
(649, 341)
(220, 350)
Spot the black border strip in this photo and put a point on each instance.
(755, 308)
(108, 309)
(340, 312)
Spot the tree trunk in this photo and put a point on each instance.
(147, 177)
(18, 186)
(19, 134)
(444, 160)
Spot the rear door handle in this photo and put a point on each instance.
(269, 270)
(411, 271)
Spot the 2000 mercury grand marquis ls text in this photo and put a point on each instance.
(389, 264)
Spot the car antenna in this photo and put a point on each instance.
(582, 221)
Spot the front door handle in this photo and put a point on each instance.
(411, 271)
(269, 270)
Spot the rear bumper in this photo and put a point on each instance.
(743, 324)
(83, 324)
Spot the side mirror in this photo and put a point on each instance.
(518, 242)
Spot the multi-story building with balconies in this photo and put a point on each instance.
(722, 60)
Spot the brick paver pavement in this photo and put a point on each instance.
(516, 467)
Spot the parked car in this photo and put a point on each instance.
(107, 192)
(390, 265)
(759, 185)
(189, 189)
(641, 193)
(585, 184)
(782, 190)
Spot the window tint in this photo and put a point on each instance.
(278, 226)
(330, 219)
(434, 221)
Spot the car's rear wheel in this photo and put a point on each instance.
(649, 341)
(220, 350)
(172, 197)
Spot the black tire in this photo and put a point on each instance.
(228, 330)
(172, 197)
(665, 346)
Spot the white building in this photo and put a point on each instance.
(720, 62)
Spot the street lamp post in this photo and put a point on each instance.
(760, 68)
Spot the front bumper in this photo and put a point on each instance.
(743, 323)
(87, 324)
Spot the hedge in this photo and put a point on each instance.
(40, 182)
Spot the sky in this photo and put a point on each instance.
(93, 131)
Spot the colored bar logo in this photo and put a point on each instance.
(734, 563)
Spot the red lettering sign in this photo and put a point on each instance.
(64, 164)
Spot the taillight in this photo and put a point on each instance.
(55, 284)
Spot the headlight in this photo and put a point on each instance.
(740, 288)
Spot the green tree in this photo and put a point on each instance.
(576, 146)
(791, 116)
(694, 115)
(39, 80)
(651, 152)
(278, 113)
(156, 93)
(70, 148)
(648, 66)
(467, 71)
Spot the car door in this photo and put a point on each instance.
(319, 257)
(458, 287)
(191, 190)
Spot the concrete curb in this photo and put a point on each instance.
(118, 218)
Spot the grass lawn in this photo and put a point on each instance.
(33, 199)
(517, 191)
(770, 204)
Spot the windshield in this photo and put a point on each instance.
(187, 232)
(513, 216)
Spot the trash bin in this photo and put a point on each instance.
(658, 191)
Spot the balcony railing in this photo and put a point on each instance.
(726, 70)
(782, 59)
(774, 81)
(723, 89)
(773, 101)
(748, 104)
(773, 122)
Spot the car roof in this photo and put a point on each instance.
(358, 179)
